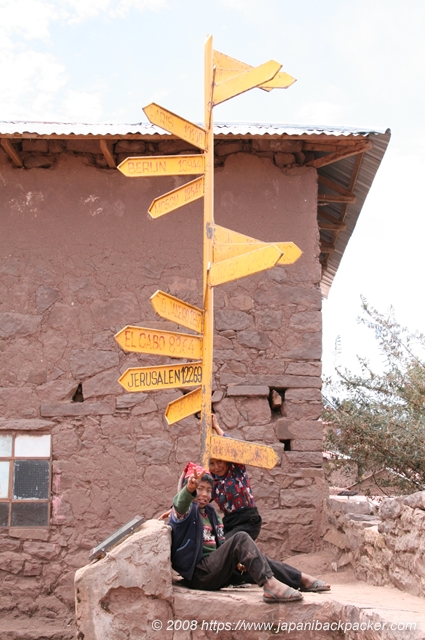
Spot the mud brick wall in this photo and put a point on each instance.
(79, 260)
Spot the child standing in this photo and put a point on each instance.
(233, 494)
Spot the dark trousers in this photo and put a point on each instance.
(215, 570)
(248, 520)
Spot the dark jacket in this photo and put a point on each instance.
(187, 539)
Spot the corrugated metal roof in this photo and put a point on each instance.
(142, 128)
(341, 172)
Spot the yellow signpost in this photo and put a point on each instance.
(162, 343)
(229, 244)
(177, 198)
(148, 167)
(257, 455)
(244, 265)
(183, 407)
(245, 81)
(178, 311)
(227, 255)
(175, 124)
(227, 67)
(166, 376)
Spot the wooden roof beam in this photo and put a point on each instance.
(332, 226)
(325, 198)
(336, 187)
(326, 247)
(11, 152)
(339, 155)
(106, 148)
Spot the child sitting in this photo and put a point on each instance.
(206, 561)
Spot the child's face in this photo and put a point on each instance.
(218, 467)
(203, 494)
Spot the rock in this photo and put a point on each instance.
(45, 297)
(14, 325)
(415, 500)
(226, 319)
(275, 399)
(25, 425)
(103, 384)
(87, 363)
(57, 391)
(254, 339)
(338, 539)
(269, 320)
(251, 390)
(282, 159)
(303, 395)
(38, 162)
(75, 409)
(130, 146)
(122, 594)
(11, 562)
(303, 429)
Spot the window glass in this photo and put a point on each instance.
(32, 446)
(4, 514)
(29, 514)
(31, 479)
(5, 446)
(4, 479)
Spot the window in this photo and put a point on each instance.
(25, 468)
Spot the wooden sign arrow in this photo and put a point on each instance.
(244, 265)
(167, 376)
(256, 455)
(162, 343)
(183, 407)
(228, 244)
(227, 67)
(177, 198)
(149, 166)
(182, 128)
(245, 81)
(178, 311)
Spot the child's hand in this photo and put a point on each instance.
(215, 426)
(165, 515)
(193, 482)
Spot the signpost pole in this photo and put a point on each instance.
(207, 358)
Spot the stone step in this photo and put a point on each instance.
(34, 629)
(352, 610)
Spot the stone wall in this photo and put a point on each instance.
(386, 544)
(79, 261)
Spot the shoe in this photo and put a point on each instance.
(316, 587)
(290, 595)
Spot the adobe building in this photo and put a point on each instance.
(80, 259)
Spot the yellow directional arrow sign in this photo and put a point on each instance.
(178, 311)
(227, 67)
(163, 343)
(175, 124)
(167, 376)
(177, 198)
(148, 166)
(256, 455)
(244, 265)
(245, 81)
(183, 407)
(228, 244)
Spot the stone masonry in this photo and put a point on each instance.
(79, 260)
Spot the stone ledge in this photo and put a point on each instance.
(24, 424)
(59, 410)
(249, 390)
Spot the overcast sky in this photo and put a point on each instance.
(357, 63)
